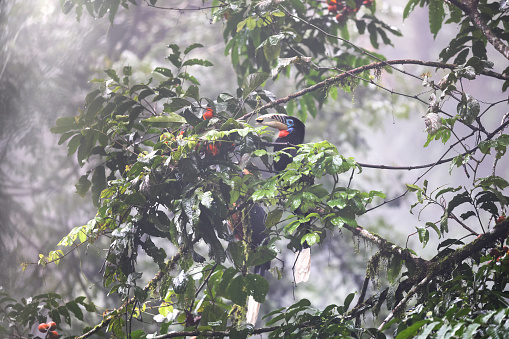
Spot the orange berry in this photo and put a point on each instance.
(52, 325)
(209, 114)
(43, 327)
(53, 335)
(212, 150)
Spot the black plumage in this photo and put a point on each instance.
(291, 132)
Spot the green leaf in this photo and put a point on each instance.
(434, 227)
(348, 300)
(252, 82)
(98, 183)
(458, 200)
(310, 238)
(495, 181)
(436, 16)
(340, 221)
(373, 34)
(176, 104)
(193, 92)
(138, 334)
(83, 185)
(164, 71)
(170, 120)
(257, 286)
(299, 6)
(64, 124)
(75, 309)
(237, 290)
(112, 74)
(271, 52)
(127, 70)
(135, 199)
(412, 330)
(192, 62)
(191, 47)
(241, 25)
(310, 104)
(113, 10)
(273, 217)
(413, 188)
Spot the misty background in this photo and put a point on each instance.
(47, 60)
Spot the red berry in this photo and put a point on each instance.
(53, 335)
(209, 114)
(501, 219)
(341, 17)
(333, 9)
(43, 327)
(52, 325)
(212, 150)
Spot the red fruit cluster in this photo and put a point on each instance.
(499, 254)
(51, 326)
(340, 7)
(209, 114)
(213, 149)
(501, 219)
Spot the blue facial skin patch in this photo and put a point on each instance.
(289, 123)
(290, 130)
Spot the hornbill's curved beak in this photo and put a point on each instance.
(277, 121)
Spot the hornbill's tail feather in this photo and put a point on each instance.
(253, 308)
(302, 265)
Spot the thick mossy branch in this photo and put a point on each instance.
(387, 248)
(424, 270)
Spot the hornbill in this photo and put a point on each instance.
(291, 131)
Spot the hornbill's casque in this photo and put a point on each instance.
(291, 131)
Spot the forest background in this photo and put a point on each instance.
(48, 66)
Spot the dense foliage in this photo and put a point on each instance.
(166, 168)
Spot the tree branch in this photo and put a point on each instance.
(470, 9)
(445, 265)
(337, 78)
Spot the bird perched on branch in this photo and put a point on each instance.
(291, 132)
